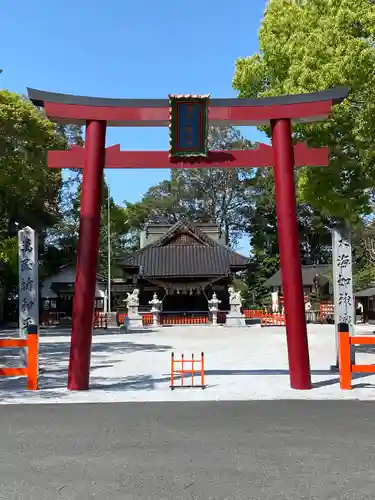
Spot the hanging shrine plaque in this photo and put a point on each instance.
(188, 126)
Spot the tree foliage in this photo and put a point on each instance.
(30, 192)
(28, 189)
(215, 195)
(62, 242)
(312, 45)
(314, 235)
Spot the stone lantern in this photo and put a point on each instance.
(155, 309)
(213, 307)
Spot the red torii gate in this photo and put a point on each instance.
(98, 113)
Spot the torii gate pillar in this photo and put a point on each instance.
(87, 256)
(290, 259)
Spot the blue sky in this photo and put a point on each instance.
(124, 48)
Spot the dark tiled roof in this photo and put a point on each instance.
(308, 275)
(100, 276)
(185, 228)
(369, 292)
(39, 97)
(204, 257)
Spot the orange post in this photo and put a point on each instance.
(182, 369)
(346, 365)
(344, 357)
(172, 370)
(32, 358)
(202, 370)
(192, 369)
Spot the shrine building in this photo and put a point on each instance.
(184, 264)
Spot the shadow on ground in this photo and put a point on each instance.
(54, 381)
(121, 332)
(265, 372)
(365, 349)
(54, 360)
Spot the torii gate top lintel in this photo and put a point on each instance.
(306, 108)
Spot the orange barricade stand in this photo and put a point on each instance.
(187, 371)
(32, 369)
(346, 367)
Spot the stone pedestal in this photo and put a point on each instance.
(134, 318)
(214, 315)
(235, 317)
(155, 317)
(134, 321)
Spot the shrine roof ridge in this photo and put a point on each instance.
(336, 95)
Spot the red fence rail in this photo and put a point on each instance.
(326, 310)
(275, 319)
(189, 319)
(100, 320)
(177, 319)
(253, 313)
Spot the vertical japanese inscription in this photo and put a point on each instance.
(28, 280)
(342, 277)
(188, 126)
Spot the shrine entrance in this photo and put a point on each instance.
(185, 302)
(98, 113)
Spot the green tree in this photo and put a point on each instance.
(218, 195)
(312, 45)
(314, 236)
(363, 244)
(62, 242)
(28, 189)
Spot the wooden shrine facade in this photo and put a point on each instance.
(184, 264)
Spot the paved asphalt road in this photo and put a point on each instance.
(293, 450)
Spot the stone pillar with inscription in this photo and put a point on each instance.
(343, 282)
(28, 287)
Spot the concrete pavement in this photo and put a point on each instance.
(226, 450)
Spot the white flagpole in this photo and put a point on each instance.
(109, 253)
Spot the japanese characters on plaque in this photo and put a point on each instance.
(28, 288)
(188, 126)
(342, 277)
